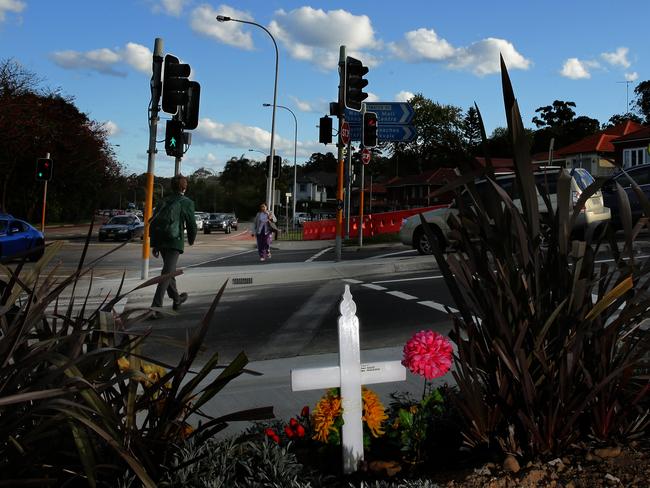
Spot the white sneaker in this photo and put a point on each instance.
(262, 259)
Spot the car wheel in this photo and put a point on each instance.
(129, 236)
(102, 239)
(37, 255)
(228, 230)
(206, 231)
(421, 241)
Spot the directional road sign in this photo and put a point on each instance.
(388, 113)
(387, 133)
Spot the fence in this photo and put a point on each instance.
(373, 224)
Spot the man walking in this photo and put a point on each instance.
(173, 215)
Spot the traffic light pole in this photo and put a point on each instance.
(340, 146)
(156, 91)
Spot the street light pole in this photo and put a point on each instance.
(269, 181)
(295, 145)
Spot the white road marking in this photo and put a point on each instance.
(352, 281)
(318, 254)
(374, 287)
(409, 251)
(404, 296)
(409, 279)
(612, 260)
(218, 259)
(436, 306)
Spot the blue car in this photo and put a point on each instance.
(17, 236)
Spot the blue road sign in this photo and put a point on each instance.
(388, 113)
(386, 133)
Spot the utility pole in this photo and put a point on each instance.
(348, 188)
(156, 91)
(627, 94)
(340, 145)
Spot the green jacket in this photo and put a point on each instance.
(187, 221)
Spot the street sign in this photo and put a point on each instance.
(345, 133)
(388, 113)
(365, 156)
(387, 133)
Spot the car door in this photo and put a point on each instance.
(641, 177)
(17, 239)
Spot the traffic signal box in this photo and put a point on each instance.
(325, 130)
(43, 169)
(354, 83)
(176, 84)
(277, 161)
(174, 138)
(369, 129)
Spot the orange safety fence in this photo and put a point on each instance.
(373, 224)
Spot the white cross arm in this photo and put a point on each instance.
(330, 376)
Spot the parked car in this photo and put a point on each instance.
(234, 222)
(122, 227)
(199, 216)
(17, 236)
(217, 222)
(300, 218)
(641, 176)
(412, 233)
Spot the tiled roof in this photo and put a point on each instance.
(643, 133)
(600, 142)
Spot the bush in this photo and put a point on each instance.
(549, 344)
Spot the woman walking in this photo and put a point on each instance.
(263, 231)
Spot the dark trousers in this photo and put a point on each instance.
(263, 243)
(170, 258)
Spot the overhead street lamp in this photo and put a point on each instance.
(295, 145)
(257, 150)
(269, 180)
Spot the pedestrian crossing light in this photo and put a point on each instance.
(369, 128)
(354, 83)
(43, 169)
(174, 138)
(176, 84)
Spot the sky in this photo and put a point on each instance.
(100, 53)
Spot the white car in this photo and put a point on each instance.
(412, 233)
(199, 216)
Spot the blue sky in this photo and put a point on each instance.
(100, 53)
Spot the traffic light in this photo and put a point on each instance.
(190, 111)
(43, 169)
(277, 161)
(325, 130)
(175, 84)
(354, 83)
(174, 138)
(369, 129)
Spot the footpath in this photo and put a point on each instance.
(273, 387)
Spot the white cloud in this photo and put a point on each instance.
(106, 61)
(481, 57)
(111, 128)
(204, 21)
(404, 96)
(314, 35)
(633, 76)
(575, 69)
(173, 7)
(14, 6)
(245, 137)
(100, 60)
(371, 98)
(138, 56)
(422, 45)
(617, 58)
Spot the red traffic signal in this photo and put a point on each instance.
(369, 129)
(43, 169)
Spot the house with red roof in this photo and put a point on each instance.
(596, 153)
(632, 149)
(415, 190)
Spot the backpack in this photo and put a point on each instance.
(165, 225)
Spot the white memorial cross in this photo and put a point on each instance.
(349, 375)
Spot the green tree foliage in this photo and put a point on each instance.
(642, 102)
(34, 122)
(472, 131)
(558, 121)
(618, 119)
(321, 162)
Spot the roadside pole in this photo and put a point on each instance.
(348, 188)
(340, 146)
(47, 156)
(363, 167)
(177, 166)
(156, 90)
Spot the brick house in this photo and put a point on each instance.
(415, 190)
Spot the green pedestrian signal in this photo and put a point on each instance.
(174, 138)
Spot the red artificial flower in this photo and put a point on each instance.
(293, 422)
(300, 431)
(428, 354)
(305, 411)
(273, 435)
(288, 431)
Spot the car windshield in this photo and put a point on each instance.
(216, 216)
(582, 177)
(121, 221)
(3, 226)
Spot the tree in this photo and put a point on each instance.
(472, 131)
(558, 121)
(642, 102)
(555, 115)
(321, 162)
(618, 119)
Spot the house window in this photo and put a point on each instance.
(303, 187)
(633, 157)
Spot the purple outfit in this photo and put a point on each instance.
(263, 234)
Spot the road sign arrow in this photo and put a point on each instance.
(387, 133)
(387, 113)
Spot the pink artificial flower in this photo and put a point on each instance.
(428, 354)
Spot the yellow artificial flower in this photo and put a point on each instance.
(325, 414)
(124, 364)
(373, 412)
